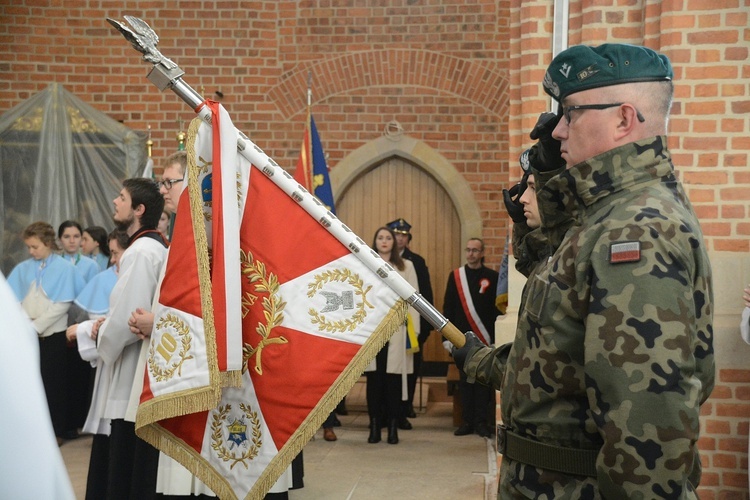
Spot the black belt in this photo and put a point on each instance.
(575, 461)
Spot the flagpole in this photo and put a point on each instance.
(165, 74)
(307, 165)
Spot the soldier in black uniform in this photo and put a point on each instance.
(402, 229)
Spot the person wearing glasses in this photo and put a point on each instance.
(613, 355)
(469, 303)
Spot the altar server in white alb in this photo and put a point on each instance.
(137, 211)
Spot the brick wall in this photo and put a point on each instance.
(461, 76)
(437, 67)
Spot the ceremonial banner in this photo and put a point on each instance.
(312, 170)
(192, 352)
(501, 297)
(313, 317)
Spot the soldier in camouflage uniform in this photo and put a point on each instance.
(613, 356)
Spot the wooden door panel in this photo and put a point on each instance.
(398, 188)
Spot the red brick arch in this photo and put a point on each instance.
(475, 81)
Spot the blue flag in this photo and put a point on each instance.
(312, 171)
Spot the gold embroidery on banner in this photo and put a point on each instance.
(237, 437)
(166, 347)
(344, 325)
(272, 308)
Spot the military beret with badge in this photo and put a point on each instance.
(583, 67)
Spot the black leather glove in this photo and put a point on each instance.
(461, 354)
(513, 205)
(512, 197)
(544, 156)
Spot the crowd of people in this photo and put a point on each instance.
(615, 318)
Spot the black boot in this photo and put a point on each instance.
(393, 431)
(374, 431)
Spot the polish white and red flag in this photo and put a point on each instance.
(312, 318)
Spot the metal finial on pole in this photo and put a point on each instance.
(149, 142)
(166, 74)
(309, 90)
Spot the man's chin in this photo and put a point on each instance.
(122, 225)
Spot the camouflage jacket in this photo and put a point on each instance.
(614, 346)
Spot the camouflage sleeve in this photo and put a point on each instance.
(640, 363)
(486, 365)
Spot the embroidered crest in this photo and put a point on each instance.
(587, 72)
(174, 333)
(273, 306)
(624, 251)
(344, 300)
(239, 448)
(565, 69)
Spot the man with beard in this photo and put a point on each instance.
(137, 211)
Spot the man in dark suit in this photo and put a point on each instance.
(402, 230)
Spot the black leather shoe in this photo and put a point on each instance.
(393, 432)
(374, 431)
(483, 430)
(464, 430)
(404, 424)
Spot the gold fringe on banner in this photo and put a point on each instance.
(206, 397)
(340, 388)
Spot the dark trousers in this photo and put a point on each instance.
(383, 395)
(96, 482)
(53, 362)
(78, 390)
(330, 421)
(476, 401)
(133, 464)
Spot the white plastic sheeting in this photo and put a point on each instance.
(60, 159)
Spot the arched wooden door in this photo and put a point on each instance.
(398, 188)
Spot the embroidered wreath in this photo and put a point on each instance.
(273, 305)
(183, 333)
(217, 436)
(344, 325)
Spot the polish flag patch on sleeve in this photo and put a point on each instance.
(624, 251)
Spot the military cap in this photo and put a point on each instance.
(399, 226)
(582, 67)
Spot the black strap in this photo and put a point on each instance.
(149, 233)
(575, 461)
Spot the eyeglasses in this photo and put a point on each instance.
(472, 250)
(168, 183)
(568, 109)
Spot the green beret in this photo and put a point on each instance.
(582, 68)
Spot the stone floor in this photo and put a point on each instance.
(429, 462)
